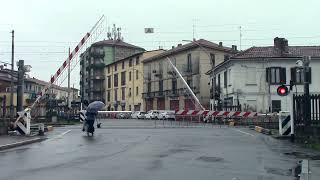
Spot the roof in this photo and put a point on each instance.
(193, 44)
(116, 43)
(133, 55)
(272, 52)
(44, 83)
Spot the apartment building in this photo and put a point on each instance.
(250, 78)
(164, 90)
(93, 62)
(124, 82)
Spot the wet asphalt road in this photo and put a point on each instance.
(137, 153)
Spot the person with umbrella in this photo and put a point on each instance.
(91, 113)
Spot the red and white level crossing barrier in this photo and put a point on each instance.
(216, 113)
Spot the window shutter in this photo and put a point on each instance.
(283, 79)
(293, 74)
(268, 75)
(309, 75)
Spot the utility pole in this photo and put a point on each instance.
(20, 85)
(307, 106)
(240, 36)
(12, 79)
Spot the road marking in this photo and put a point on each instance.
(60, 135)
(244, 132)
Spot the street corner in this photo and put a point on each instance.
(8, 142)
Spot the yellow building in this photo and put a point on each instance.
(124, 82)
(164, 90)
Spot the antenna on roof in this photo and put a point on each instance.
(240, 30)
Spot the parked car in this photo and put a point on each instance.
(166, 115)
(141, 115)
(152, 114)
(134, 115)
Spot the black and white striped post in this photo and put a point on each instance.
(82, 115)
(285, 124)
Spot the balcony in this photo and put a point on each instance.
(148, 95)
(97, 77)
(159, 94)
(97, 54)
(99, 65)
(98, 89)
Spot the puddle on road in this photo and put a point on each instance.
(173, 151)
(210, 159)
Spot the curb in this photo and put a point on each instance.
(21, 143)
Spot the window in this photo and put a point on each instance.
(225, 76)
(130, 76)
(115, 67)
(108, 95)
(129, 107)
(130, 62)
(122, 64)
(174, 86)
(115, 95)
(137, 74)
(137, 60)
(276, 75)
(149, 87)
(229, 79)
(161, 86)
(129, 92)
(108, 69)
(213, 59)
(123, 94)
(137, 91)
(276, 105)
(115, 80)
(189, 65)
(123, 78)
(189, 82)
(251, 76)
(219, 83)
(226, 57)
(297, 75)
(109, 81)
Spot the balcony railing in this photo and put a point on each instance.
(97, 53)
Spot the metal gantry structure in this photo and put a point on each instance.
(61, 74)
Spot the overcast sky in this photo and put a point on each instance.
(44, 29)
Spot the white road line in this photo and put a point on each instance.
(60, 135)
(244, 132)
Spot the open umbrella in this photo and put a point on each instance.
(95, 106)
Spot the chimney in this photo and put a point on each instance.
(172, 47)
(234, 48)
(220, 44)
(179, 45)
(281, 44)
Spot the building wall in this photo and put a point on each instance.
(199, 80)
(248, 83)
(132, 99)
(89, 82)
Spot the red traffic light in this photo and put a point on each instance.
(282, 90)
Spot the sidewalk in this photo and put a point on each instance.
(7, 142)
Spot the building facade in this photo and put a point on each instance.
(32, 87)
(124, 82)
(164, 90)
(93, 62)
(251, 77)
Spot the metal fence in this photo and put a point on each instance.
(298, 110)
